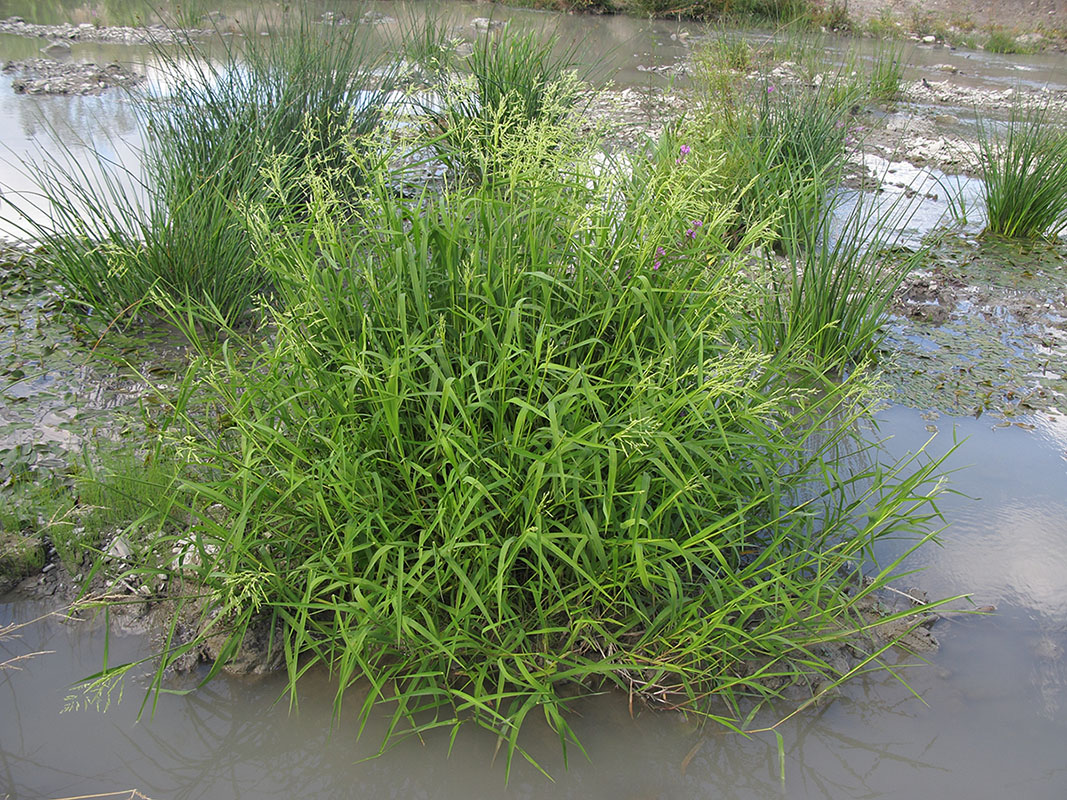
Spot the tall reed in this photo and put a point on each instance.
(887, 71)
(1024, 166)
(785, 146)
(121, 240)
(830, 292)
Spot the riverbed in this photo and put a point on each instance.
(984, 716)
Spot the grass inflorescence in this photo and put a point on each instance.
(511, 80)
(517, 438)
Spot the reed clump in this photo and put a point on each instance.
(1023, 163)
(122, 241)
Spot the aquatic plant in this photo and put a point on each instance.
(887, 71)
(785, 150)
(511, 441)
(121, 240)
(1023, 163)
(830, 292)
(428, 41)
(515, 79)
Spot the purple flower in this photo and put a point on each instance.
(693, 227)
(770, 88)
(684, 150)
(660, 253)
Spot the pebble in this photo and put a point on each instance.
(119, 549)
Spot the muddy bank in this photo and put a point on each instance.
(926, 17)
(109, 34)
(47, 76)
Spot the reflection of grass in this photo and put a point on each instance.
(10, 631)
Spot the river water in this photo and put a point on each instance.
(986, 717)
(990, 718)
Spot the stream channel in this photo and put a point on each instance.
(985, 717)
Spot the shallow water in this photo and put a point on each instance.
(992, 719)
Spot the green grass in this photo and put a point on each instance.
(1023, 163)
(785, 148)
(122, 242)
(831, 291)
(515, 440)
(428, 42)
(887, 72)
(513, 80)
(1001, 41)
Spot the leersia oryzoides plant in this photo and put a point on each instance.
(507, 441)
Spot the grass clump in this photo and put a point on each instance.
(121, 242)
(21, 554)
(1023, 163)
(518, 438)
(887, 72)
(830, 292)
(429, 43)
(785, 150)
(1001, 41)
(513, 80)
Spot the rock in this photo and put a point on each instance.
(56, 48)
(1030, 39)
(486, 24)
(929, 39)
(950, 68)
(46, 76)
(187, 555)
(375, 18)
